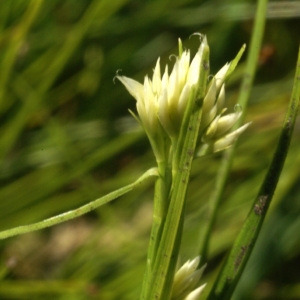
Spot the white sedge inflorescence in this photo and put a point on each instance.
(161, 102)
(164, 98)
(186, 281)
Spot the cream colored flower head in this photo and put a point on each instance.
(215, 126)
(186, 281)
(163, 98)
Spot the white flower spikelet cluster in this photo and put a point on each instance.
(215, 126)
(164, 98)
(161, 103)
(185, 284)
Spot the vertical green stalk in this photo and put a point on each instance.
(166, 258)
(242, 248)
(174, 109)
(17, 37)
(161, 198)
(244, 95)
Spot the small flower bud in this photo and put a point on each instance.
(221, 76)
(209, 110)
(186, 279)
(229, 139)
(221, 99)
(220, 126)
(195, 294)
(211, 130)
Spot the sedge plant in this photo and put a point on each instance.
(184, 116)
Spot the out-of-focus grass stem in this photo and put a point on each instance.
(244, 95)
(244, 243)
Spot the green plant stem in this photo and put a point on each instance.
(161, 199)
(244, 95)
(242, 248)
(167, 254)
(18, 35)
(79, 211)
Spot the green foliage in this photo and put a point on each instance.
(67, 139)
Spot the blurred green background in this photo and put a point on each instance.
(67, 138)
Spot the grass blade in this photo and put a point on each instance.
(242, 248)
(79, 211)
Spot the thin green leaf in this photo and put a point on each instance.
(244, 96)
(235, 61)
(242, 248)
(80, 210)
